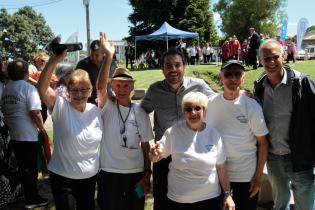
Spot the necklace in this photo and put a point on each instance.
(123, 128)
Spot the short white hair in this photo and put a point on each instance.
(195, 98)
(270, 41)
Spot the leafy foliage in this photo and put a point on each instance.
(26, 32)
(311, 28)
(239, 15)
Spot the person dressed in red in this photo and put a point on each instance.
(225, 49)
(291, 51)
(280, 41)
(235, 48)
(40, 61)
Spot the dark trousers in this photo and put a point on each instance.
(193, 60)
(129, 58)
(26, 157)
(117, 191)
(71, 194)
(210, 204)
(290, 57)
(241, 196)
(160, 172)
(209, 58)
(205, 58)
(235, 57)
(252, 58)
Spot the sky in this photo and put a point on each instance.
(111, 16)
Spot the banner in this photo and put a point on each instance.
(283, 32)
(301, 28)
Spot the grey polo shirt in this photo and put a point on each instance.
(277, 108)
(166, 103)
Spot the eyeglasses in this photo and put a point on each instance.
(236, 74)
(191, 109)
(77, 90)
(44, 61)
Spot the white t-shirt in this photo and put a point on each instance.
(238, 121)
(18, 99)
(193, 51)
(116, 155)
(192, 176)
(77, 136)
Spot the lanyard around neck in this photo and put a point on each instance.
(122, 130)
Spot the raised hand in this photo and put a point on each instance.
(107, 47)
(59, 57)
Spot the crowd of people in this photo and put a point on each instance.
(233, 49)
(209, 149)
(247, 51)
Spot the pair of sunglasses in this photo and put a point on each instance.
(81, 90)
(236, 74)
(192, 108)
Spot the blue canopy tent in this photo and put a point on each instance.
(166, 32)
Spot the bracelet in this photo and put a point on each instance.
(148, 170)
(228, 193)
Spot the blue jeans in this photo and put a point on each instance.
(282, 178)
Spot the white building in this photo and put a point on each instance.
(120, 49)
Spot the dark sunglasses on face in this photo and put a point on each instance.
(190, 108)
(229, 74)
(76, 90)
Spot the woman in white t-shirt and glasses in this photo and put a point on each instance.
(77, 134)
(197, 173)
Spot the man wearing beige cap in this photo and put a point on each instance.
(125, 173)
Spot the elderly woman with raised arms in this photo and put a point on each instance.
(77, 135)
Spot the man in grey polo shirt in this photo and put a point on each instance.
(288, 100)
(164, 98)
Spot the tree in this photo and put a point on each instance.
(311, 28)
(239, 15)
(26, 32)
(188, 15)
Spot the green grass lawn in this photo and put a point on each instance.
(210, 73)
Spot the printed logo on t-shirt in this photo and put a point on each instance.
(10, 99)
(242, 119)
(209, 147)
